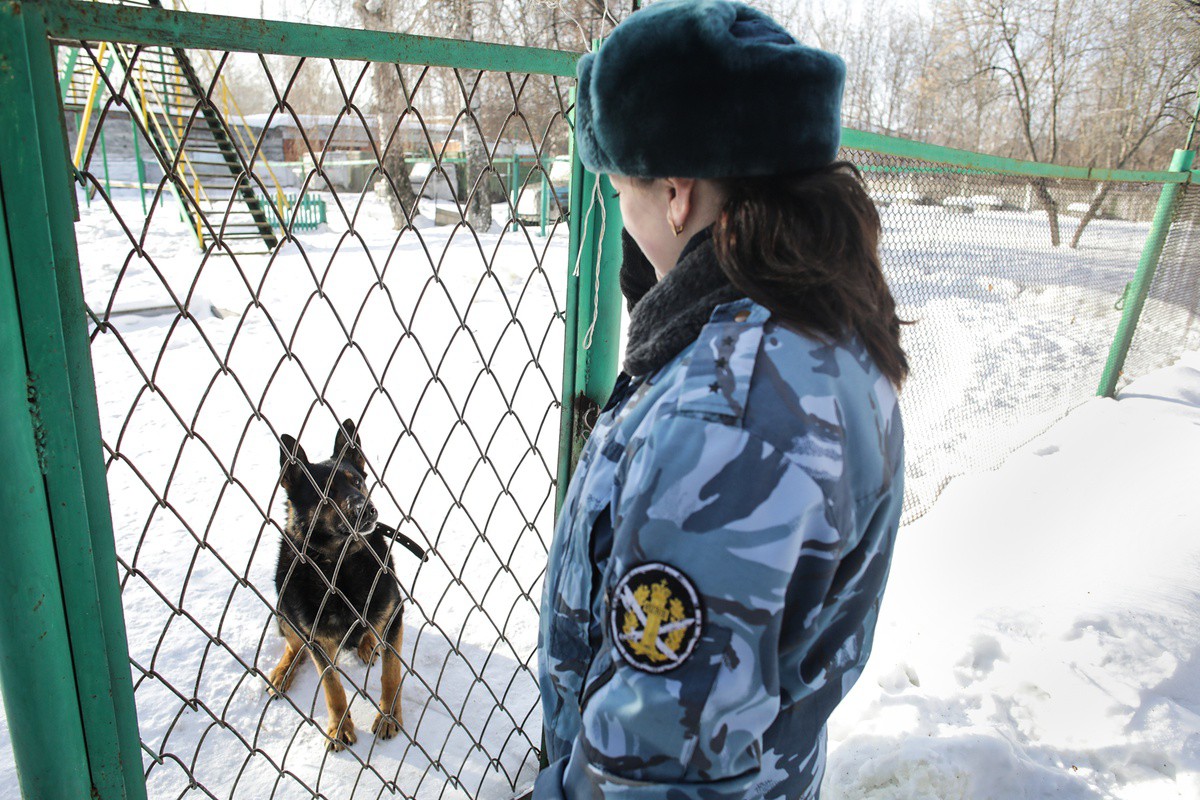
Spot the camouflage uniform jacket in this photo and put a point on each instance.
(717, 567)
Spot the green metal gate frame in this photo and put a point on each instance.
(63, 651)
(79, 605)
(64, 662)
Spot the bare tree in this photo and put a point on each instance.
(390, 97)
(458, 20)
(1137, 87)
(1038, 49)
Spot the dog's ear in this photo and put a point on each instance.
(347, 448)
(288, 450)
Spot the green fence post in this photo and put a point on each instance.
(593, 312)
(141, 168)
(104, 161)
(87, 195)
(40, 700)
(64, 83)
(1168, 200)
(514, 186)
(544, 202)
(35, 168)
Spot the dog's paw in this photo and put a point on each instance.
(368, 653)
(279, 683)
(385, 727)
(340, 736)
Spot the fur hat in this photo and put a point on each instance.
(707, 89)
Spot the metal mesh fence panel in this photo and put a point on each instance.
(1009, 332)
(221, 318)
(1168, 326)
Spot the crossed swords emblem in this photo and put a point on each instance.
(648, 641)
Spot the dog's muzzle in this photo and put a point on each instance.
(367, 516)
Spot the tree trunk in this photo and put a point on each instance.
(394, 185)
(1041, 190)
(479, 169)
(1093, 209)
(478, 178)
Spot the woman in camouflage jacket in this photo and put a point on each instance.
(717, 567)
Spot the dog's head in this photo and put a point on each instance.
(330, 494)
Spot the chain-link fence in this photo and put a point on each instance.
(1169, 324)
(379, 239)
(1014, 285)
(428, 309)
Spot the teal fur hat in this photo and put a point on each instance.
(707, 89)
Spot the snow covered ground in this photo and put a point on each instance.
(1040, 636)
(429, 340)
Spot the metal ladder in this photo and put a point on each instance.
(193, 141)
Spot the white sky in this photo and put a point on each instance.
(323, 11)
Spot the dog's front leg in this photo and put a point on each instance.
(387, 723)
(366, 648)
(341, 727)
(285, 671)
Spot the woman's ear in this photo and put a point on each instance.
(680, 202)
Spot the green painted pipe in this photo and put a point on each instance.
(141, 168)
(514, 185)
(36, 669)
(36, 672)
(104, 161)
(1168, 200)
(49, 302)
(907, 148)
(593, 311)
(543, 203)
(566, 423)
(64, 84)
(600, 296)
(103, 22)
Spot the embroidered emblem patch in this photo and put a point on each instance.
(655, 617)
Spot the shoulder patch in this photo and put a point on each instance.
(655, 617)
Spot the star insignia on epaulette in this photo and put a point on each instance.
(655, 617)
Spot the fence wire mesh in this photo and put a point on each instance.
(427, 309)
(1169, 324)
(1009, 331)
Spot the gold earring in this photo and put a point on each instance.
(677, 228)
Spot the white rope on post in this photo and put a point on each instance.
(596, 193)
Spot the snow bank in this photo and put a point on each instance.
(1039, 636)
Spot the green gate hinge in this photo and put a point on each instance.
(35, 415)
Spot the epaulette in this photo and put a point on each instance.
(721, 364)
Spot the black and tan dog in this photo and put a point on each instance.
(336, 581)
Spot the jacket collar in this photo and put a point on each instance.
(671, 314)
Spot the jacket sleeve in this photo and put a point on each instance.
(733, 515)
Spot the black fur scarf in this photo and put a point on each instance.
(666, 316)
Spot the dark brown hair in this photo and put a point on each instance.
(807, 248)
